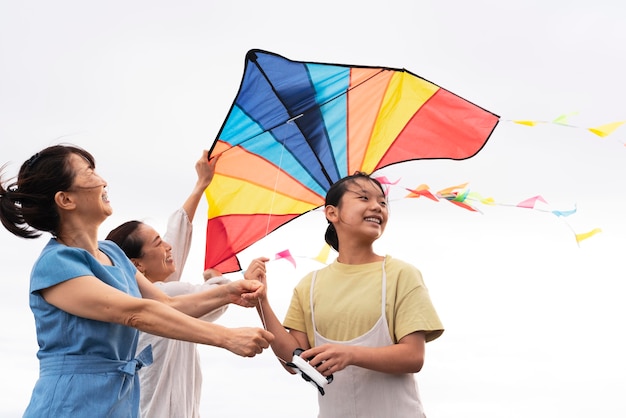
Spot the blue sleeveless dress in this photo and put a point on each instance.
(87, 368)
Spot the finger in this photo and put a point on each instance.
(252, 285)
(268, 337)
(310, 353)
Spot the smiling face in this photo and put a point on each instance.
(361, 213)
(89, 189)
(156, 262)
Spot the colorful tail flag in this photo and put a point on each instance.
(322, 257)
(585, 235)
(530, 203)
(286, 255)
(422, 190)
(602, 130)
(461, 196)
(606, 130)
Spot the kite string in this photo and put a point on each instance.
(267, 231)
(262, 314)
(265, 328)
(278, 170)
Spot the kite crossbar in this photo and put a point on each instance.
(295, 117)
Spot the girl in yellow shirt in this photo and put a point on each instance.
(365, 318)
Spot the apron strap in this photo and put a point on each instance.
(383, 303)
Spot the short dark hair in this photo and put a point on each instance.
(333, 197)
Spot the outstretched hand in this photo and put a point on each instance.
(248, 342)
(205, 169)
(246, 293)
(256, 270)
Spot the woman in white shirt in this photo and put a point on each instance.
(172, 386)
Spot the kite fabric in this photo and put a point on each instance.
(295, 128)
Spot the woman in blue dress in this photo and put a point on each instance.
(89, 300)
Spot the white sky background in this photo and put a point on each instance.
(533, 321)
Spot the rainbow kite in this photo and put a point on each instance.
(295, 128)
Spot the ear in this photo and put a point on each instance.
(331, 213)
(137, 264)
(64, 200)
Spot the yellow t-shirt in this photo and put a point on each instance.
(347, 301)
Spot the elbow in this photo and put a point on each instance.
(139, 317)
(135, 320)
(416, 366)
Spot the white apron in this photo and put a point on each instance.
(359, 393)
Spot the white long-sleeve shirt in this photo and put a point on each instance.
(171, 386)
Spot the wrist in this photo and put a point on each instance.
(222, 337)
(227, 296)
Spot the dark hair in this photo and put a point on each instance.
(126, 238)
(27, 206)
(333, 197)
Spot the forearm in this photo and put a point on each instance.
(284, 343)
(201, 303)
(205, 169)
(191, 204)
(393, 359)
(89, 297)
(159, 319)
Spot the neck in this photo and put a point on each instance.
(79, 239)
(358, 256)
